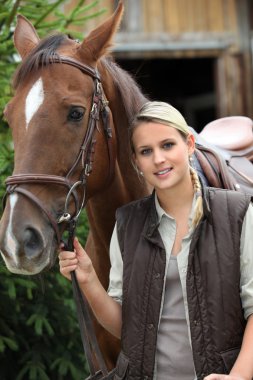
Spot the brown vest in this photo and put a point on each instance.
(213, 285)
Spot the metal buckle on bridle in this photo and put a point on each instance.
(87, 169)
(66, 216)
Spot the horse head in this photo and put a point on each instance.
(64, 141)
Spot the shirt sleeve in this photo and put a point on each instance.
(246, 263)
(116, 271)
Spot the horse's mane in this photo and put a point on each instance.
(130, 92)
(45, 52)
(42, 55)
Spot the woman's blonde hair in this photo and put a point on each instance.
(164, 113)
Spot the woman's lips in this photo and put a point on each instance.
(163, 172)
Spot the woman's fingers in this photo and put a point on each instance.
(67, 270)
(77, 261)
(67, 262)
(80, 252)
(65, 255)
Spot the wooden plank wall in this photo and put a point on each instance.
(192, 20)
(170, 16)
(180, 16)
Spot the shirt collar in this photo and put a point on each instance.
(161, 212)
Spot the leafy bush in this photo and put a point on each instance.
(39, 333)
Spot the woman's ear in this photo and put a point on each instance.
(134, 162)
(191, 143)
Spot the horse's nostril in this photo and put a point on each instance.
(33, 244)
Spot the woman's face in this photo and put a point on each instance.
(162, 154)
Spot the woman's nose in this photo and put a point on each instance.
(158, 156)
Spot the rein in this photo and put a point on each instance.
(99, 108)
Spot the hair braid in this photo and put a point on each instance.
(198, 212)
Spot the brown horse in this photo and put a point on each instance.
(59, 120)
(71, 149)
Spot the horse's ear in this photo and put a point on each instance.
(99, 41)
(25, 36)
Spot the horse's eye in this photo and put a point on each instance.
(76, 114)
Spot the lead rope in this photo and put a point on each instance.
(88, 336)
(89, 339)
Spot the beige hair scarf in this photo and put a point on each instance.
(164, 113)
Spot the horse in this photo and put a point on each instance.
(69, 119)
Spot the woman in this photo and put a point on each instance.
(181, 284)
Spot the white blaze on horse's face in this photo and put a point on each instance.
(10, 241)
(12, 245)
(34, 100)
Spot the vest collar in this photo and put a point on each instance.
(150, 229)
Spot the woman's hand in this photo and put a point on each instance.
(77, 261)
(105, 308)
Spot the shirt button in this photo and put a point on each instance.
(196, 323)
(150, 326)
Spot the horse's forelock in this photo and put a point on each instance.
(40, 56)
(130, 92)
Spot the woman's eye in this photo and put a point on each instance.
(145, 152)
(76, 114)
(168, 145)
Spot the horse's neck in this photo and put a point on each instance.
(126, 186)
(102, 207)
(125, 100)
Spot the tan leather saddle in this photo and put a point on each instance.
(233, 134)
(225, 153)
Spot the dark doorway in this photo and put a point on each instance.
(188, 84)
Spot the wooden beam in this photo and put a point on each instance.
(244, 32)
(230, 85)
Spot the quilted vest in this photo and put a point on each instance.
(213, 285)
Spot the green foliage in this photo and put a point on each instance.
(38, 12)
(39, 333)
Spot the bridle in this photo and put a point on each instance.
(85, 156)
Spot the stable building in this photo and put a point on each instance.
(195, 54)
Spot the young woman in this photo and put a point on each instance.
(181, 281)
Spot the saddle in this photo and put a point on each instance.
(225, 153)
(232, 133)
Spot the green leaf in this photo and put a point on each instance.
(50, 10)
(2, 345)
(12, 344)
(12, 290)
(48, 327)
(38, 325)
(8, 342)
